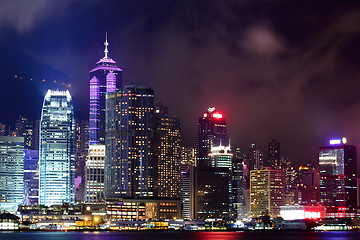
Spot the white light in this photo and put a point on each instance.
(344, 140)
(335, 141)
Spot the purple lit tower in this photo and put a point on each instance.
(104, 78)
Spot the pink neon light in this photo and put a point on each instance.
(217, 115)
(110, 82)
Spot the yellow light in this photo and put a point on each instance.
(96, 219)
(344, 140)
(88, 208)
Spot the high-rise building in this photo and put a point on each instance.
(81, 151)
(238, 187)
(212, 192)
(106, 77)
(2, 129)
(274, 154)
(129, 163)
(57, 149)
(95, 174)
(267, 192)
(11, 171)
(188, 160)
(211, 132)
(256, 157)
(31, 177)
(338, 179)
(25, 128)
(167, 154)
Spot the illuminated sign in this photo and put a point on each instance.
(211, 109)
(335, 141)
(217, 115)
(205, 115)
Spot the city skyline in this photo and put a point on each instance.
(274, 71)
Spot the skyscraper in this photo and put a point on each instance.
(95, 174)
(274, 154)
(167, 154)
(338, 179)
(267, 192)
(31, 177)
(256, 157)
(57, 149)
(11, 171)
(211, 132)
(106, 77)
(129, 163)
(81, 151)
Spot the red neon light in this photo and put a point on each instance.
(205, 115)
(217, 115)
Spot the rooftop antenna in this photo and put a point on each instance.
(106, 44)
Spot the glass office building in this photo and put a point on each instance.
(57, 149)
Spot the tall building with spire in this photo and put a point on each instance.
(57, 149)
(106, 77)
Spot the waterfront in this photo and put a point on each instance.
(201, 235)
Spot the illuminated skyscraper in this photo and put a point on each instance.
(31, 177)
(81, 151)
(267, 192)
(211, 132)
(106, 77)
(129, 163)
(338, 179)
(11, 171)
(256, 157)
(95, 174)
(188, 159)
(57, 149)
(167, 154)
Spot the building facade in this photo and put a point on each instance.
(11, 170)
(95, 174)
(106, 77)
(167, 154)
(267, 192)
(338, 179)
(274, 154)
(211, 132)
(129, 163)
(31, 177)
(57, 149)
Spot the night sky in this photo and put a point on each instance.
(280, 69)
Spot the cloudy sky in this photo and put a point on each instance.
(280, 69)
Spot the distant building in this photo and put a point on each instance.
(256, 158)
(188, 160)
(31, 177)
(2, 129)
(338, 179)
(129, 166)
(106, 77)
(11, 171)
(57, 149)
(167, 154)
(274, 154)
(211, 132)
(267, 192)
(81, 151)
(95, 174)
(238, 188)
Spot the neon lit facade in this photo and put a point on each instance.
(106, 77)
(338, 180)
(57, 149)
(95, 174)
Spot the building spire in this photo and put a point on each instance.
(106, 44)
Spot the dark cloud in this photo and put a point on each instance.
(277, 69)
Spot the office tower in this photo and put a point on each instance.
(57, 149)
(129, 162)
(167, 154)
(211, 132)
(11, 171)
(2, 129)
(25, 128)
(267, 192)
(256, 158)
(188, 160)
(212, 192)
(238, 201)
(338, 179)
(31, 177)
(81, 151)
(106, 77)
(308, 186)
(274, 154)
(95, 174)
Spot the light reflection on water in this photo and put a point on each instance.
(266, 235)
